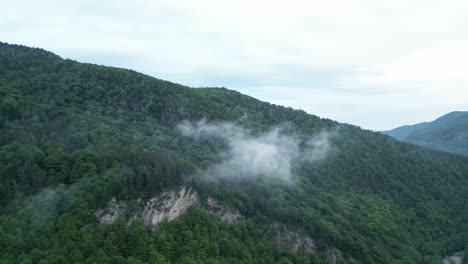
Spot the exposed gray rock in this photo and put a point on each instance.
(225, 214)
(295, 241)
(112, 212)
(334, 256)
(167, 206)
(456, 258)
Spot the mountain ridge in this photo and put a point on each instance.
(446, 133)
(75, 136)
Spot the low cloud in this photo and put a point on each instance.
(39, 209)
(270, 154)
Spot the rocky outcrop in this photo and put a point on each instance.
(295, 241)
(112, 212)
(167, 206)
(225, 214)
(456, 258)
(334, 256)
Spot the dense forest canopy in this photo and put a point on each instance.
(75, 135)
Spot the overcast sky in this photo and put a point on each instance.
(376, 64)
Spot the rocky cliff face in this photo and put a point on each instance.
(112, 212)
(172, 204)
(456, 258)
(167, 206)
(295, 241)
(225, 214)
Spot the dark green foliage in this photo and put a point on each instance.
(73, 135)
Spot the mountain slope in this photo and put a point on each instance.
(74, 137)
(447, 133)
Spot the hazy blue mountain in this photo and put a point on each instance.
(447, 133)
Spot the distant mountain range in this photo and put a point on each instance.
(447, 133)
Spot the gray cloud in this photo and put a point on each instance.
(39, 209)
(270, 154)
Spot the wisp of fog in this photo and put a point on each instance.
(270, 154)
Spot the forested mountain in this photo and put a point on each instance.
(447, 133)
(76, 138)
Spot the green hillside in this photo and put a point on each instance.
(447, 133)
(75, 135)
